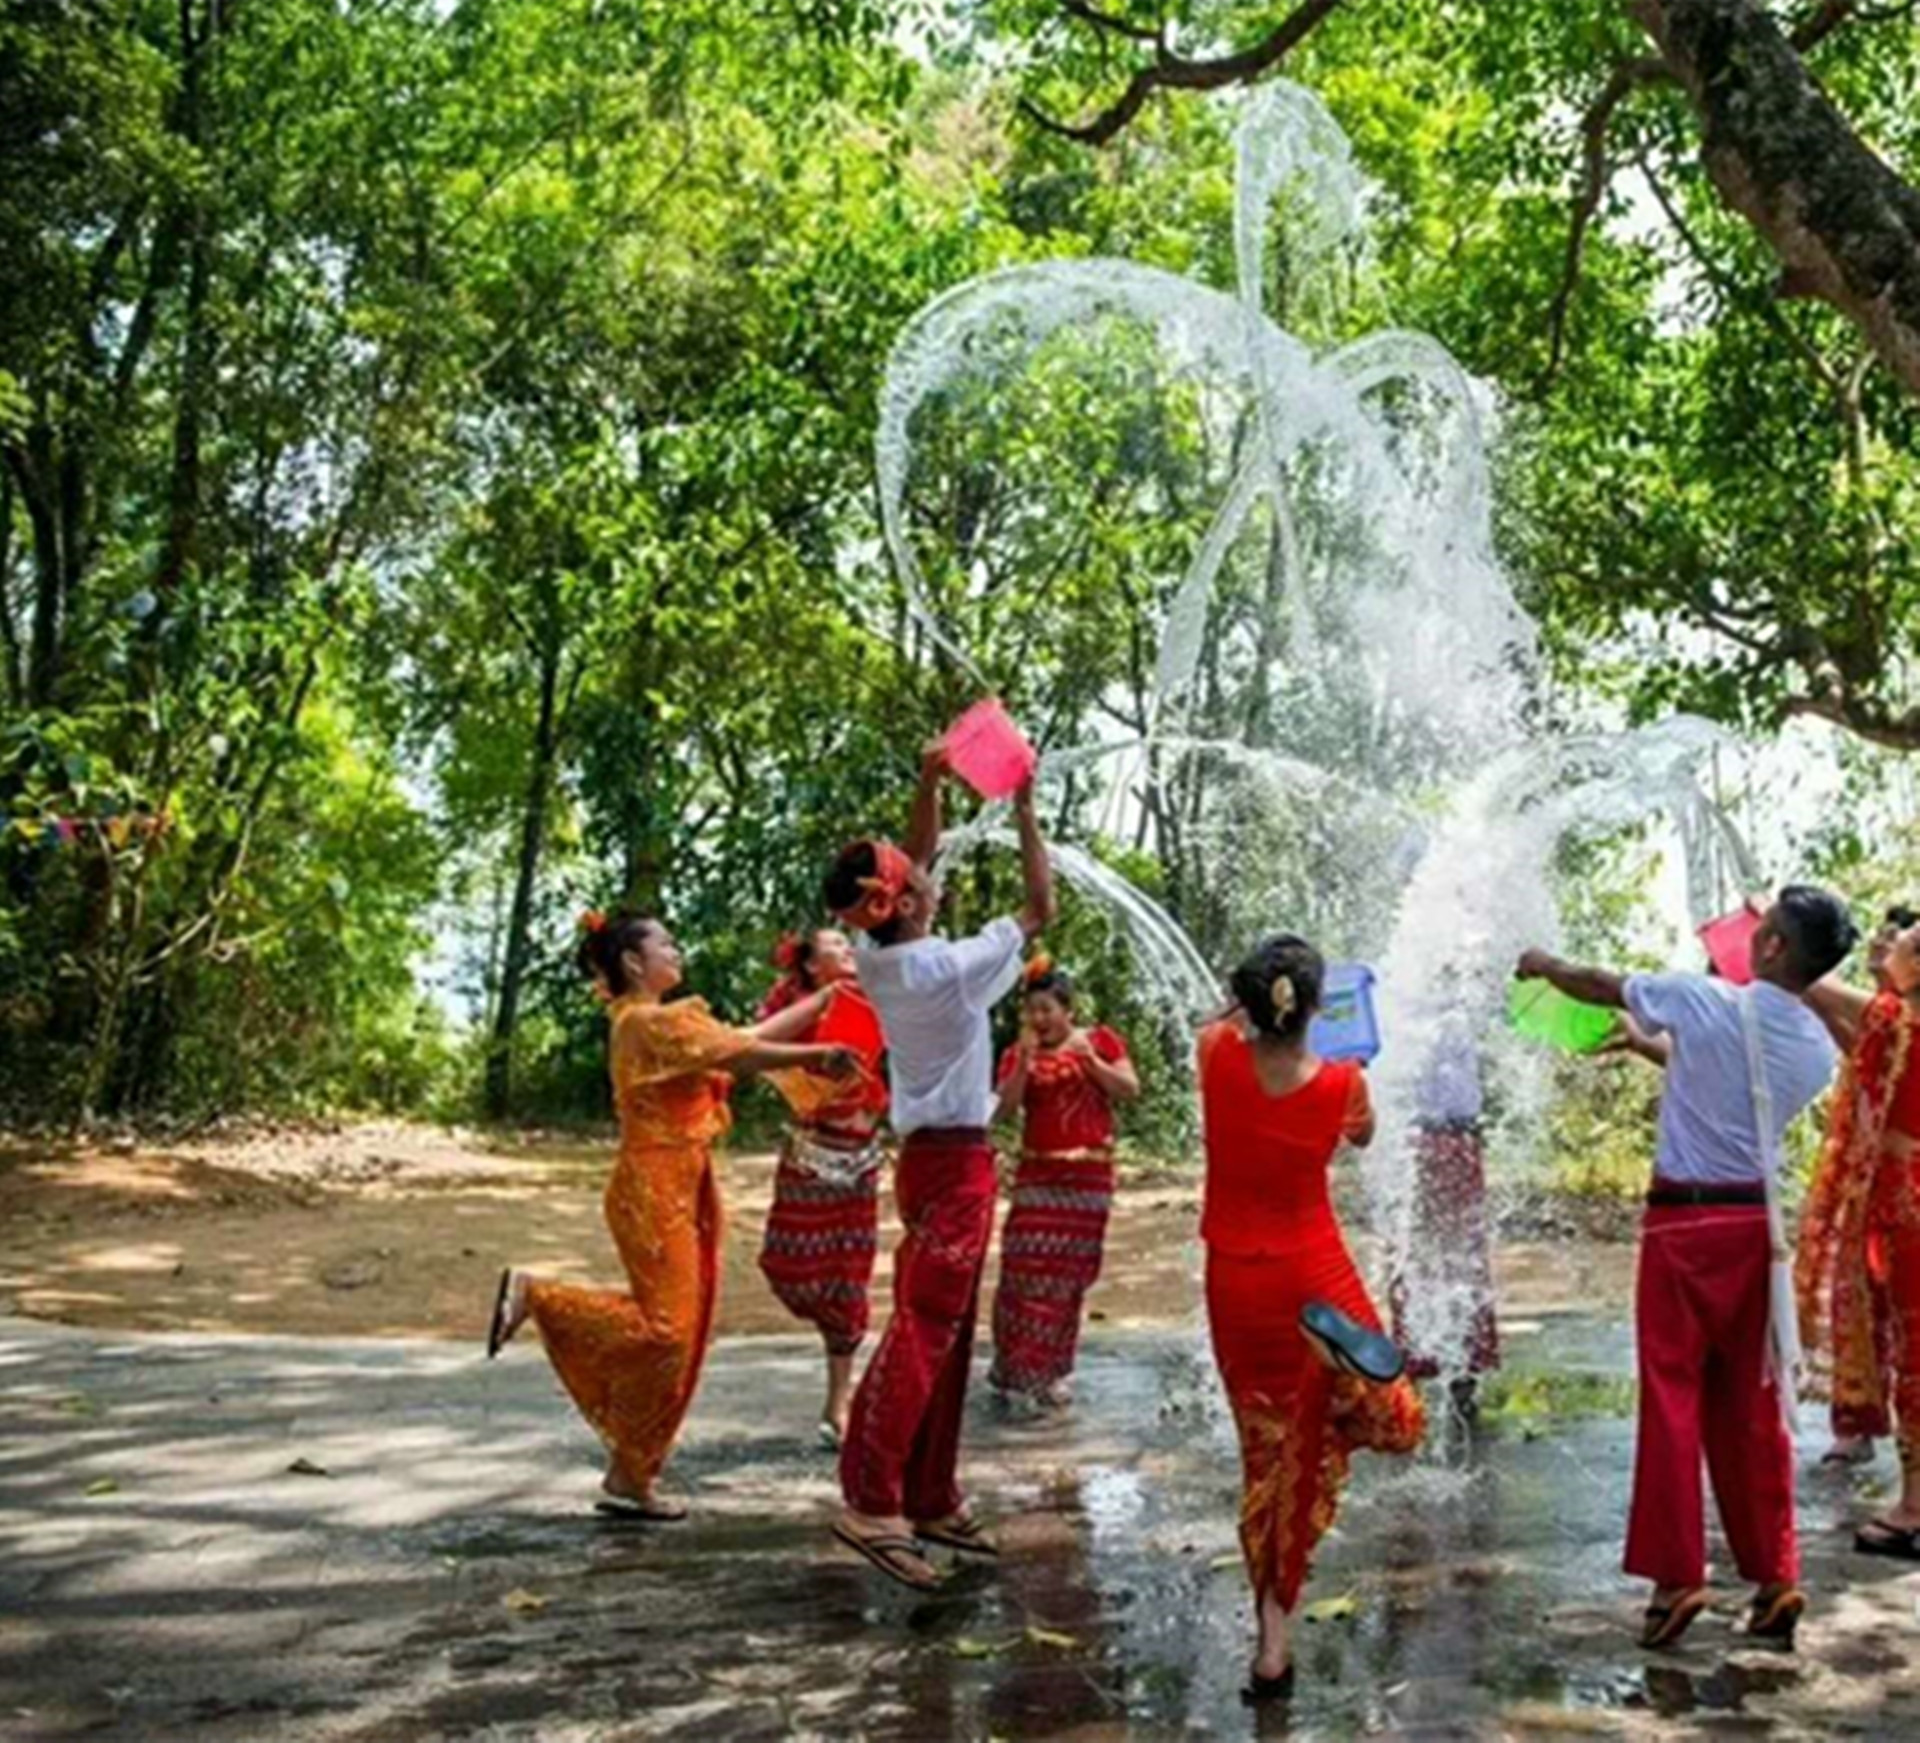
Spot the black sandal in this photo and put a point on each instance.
(497, 1333)
(1897, 1542)
(886, 1554)
(964, 1534)
(1776, 1619)
(648, 1512)
(1260, 1690)
(1665, 1623)
(1351, 1347)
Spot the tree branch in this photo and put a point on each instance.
(1170, 71)
(1595, 174)
(1844, 227)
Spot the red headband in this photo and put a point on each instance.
(880, 894)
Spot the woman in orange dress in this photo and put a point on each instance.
(1858, 1263)
(631, 1358)
(1298, 1343)
(1063, 1080)
(823, 1231)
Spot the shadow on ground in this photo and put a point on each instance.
(267, 1539)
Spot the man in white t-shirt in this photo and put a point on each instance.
(934, 995)
(1703, 1310)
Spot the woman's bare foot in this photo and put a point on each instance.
(1275, 1650)
(838, 1410)
(620, 1496)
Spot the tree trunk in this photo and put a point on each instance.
(1844, 226)
(533, 834)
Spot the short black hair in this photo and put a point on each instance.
(1901, 917)
(1285, 955)
(1818, 930)
(845, 885)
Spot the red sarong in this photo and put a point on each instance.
(1299, 1421)
(822, 1237)
(1050, 1253)
(1701, 1320)
(903, 1442)
(1450, 1210)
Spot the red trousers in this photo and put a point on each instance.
(1701, 1321)
(903, 1442)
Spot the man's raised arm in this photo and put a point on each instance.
(923, 827)
(1591, 986)
(1035, 868)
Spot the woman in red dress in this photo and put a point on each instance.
(1064, 1081)
(1858, 1264)
(824, 1228)
(1278, 1272)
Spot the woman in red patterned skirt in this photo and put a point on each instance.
(1064, 1081)
(1280, 1279)
(823, 1230)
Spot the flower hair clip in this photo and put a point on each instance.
(1038, 968)
(786, 953)
(1283, 997)
(593, 921)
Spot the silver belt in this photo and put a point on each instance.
(832, 1165)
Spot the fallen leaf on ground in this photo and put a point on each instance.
(1334, 1609)
(1049, 1637)
(77, 1406)
(103, 1486)
(966, 1647)
(307, 1468)
(1221, 1563)
(522, 1599)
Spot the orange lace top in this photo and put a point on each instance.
(668, 1064)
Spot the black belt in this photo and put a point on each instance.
(1670, 1192)
(947, 1135)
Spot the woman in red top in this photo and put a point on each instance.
(1064, 1080)
(1858, 1265)
(824, 1228)
(1278, 1270)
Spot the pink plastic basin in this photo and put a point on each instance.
(1729, 942)
(989, 752)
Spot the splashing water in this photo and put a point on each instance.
(1344, 600)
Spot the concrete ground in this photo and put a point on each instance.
(256, 1539)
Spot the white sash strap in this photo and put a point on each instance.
(1784, 1354)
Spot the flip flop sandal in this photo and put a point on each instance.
(1897, 1542)
(643, 1512)
(1776, 1619)
(1356, 1349)
(965, 1534)
(1845, 1458)
(1261, 1690)
(827, 1435)
(896, 1557)
(1665, 1623)
(497, 1326)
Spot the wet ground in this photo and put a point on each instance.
(260, 1539)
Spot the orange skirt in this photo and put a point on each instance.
(1299, 1422)
(631, 1359)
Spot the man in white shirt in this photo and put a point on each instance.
(1702, 1314)
(934, 995)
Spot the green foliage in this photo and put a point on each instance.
(437, 488)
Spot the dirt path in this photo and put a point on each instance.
(398, 1230)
